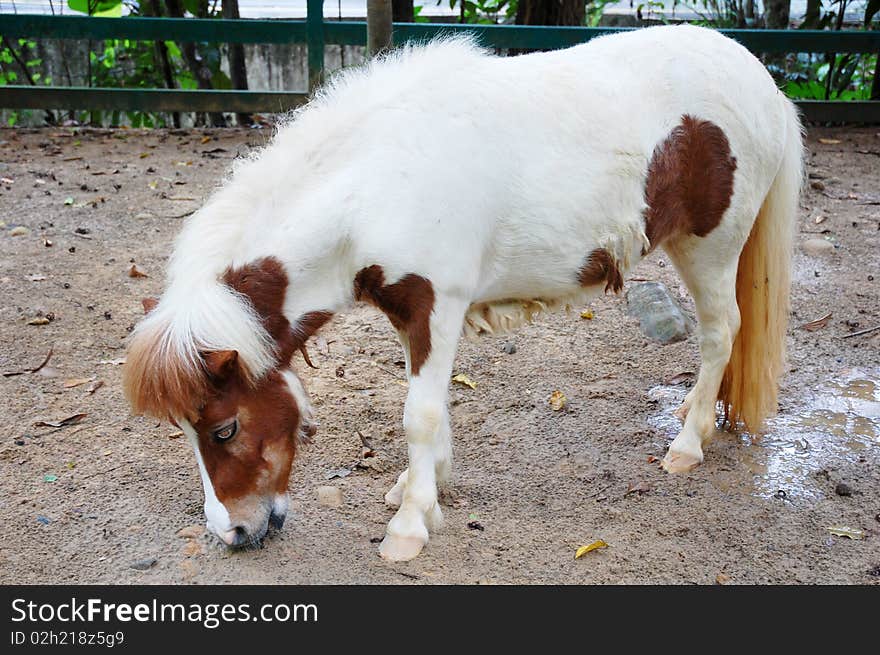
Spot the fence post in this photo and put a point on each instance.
(378, 26)
(315, 41)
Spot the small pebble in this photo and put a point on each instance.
(843, 489)
(509, 347)
(143, 564)
(817, 247)
(44, 520)
(329, 496)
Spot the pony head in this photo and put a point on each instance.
(216, 361)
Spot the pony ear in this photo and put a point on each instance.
(149, 304)
(221, 363)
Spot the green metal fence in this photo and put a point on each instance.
(316, 33)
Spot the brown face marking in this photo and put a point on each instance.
(162, 383)
(257, 460)
(600, 267)
(407, 303)
(690, 181)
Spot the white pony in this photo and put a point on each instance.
(458, 191)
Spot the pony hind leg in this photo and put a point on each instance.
(426, 423)
(709, 271)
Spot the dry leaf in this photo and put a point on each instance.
(820, 219)
(722, 578)
(19, 231)
(39, 320)
(818, 323)
(133, 271)
(205, 139)
(583, 550)
(653, 459)
(75, 382)
(678, 378)
(845, 531)
(36, 278)
(45, 361)
(587, 314)
(557, 400)
(461, 378)
(830, 142)
(70, 420)
(638, 487)
(175, 435)
(113, 362)
(97, 384)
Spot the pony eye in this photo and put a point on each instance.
(226, 432)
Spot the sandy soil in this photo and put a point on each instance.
(82, 503)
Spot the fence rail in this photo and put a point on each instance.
(315, 32)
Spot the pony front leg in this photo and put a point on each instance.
(428, 435)
(442, 464)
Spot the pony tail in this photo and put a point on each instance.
(749, 388)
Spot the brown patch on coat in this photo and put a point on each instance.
(256, 462)
(407, 303)
(264, 283)
(690, 181)
(600, 267)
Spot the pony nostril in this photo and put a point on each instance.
(241, 536)
(276, 520)
(235, 537)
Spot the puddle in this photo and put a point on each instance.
(838, 420)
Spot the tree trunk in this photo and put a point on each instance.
(776, 14)
(378, 26)
(551, 12)
(153, 8)
(237, 65)
(813, 14)
(402, 11)
(190, 56)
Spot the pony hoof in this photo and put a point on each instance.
(401, 549)
(680, 462)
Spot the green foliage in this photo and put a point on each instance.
(102, 8)
(596, 9)
(485, 12)
(843, 77)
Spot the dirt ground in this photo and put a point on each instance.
(86, 502)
